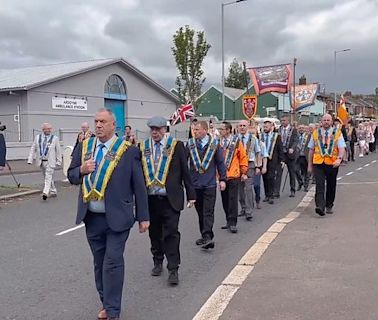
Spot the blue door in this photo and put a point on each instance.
(117, 107)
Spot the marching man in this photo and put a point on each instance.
(327, 148)
(47, 154)
(206, 159)
(274, 148)
(236, 162)
(166, 172)
(252, 147)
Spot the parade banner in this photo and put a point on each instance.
(276, 78)
(249, 106)
(305, 96)
(342, 112)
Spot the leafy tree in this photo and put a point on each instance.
(189, 50)
(236, 76)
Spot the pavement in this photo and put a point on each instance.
(26, 178)
(320, 268)
(315, 268)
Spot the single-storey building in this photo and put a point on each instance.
(67, 94)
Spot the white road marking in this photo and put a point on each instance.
(366, 165)
(215, 305)
(358, 169)
(69, 230)
(349, 173)
(351, 183)
(374, 161)
(339, 178)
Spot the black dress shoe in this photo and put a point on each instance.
(241, 214)
(233, 229)
(208, 244)
(249, 217)
(320, 212)
(173, 278)
(200, 242)
(299, 187)
(44, 197)
(271, 201)
(225, 227)
(292, 194)
(157, 270)
(329, 210)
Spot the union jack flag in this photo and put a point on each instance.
(183, 113)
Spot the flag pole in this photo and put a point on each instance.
(293, 100)
(246, 84)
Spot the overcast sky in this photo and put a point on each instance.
(260, 32)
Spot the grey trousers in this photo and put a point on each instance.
(246, 197)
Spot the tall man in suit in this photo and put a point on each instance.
(303, 177)
(274, 148)
(289, 137)
(206, 160)
(110, 174)
(46, 151)
(165, 166)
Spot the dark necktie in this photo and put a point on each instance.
(157, 154)
(267, 141)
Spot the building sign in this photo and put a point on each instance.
(62, 103)
(249, 106)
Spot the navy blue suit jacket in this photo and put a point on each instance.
(3, 151)
(126, 182)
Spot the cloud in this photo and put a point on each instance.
(258, 32)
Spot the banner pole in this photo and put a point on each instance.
(293, 100)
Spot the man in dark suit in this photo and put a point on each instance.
(303, 176)
(165, 166)
(3, 152)
(206, 162)
(110, 176)
(289, 138)
(273, 144)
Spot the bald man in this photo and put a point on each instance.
(252, 147)
(84, 133)
(47, 154)
(327, 148)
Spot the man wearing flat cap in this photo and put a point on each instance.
(166, 172)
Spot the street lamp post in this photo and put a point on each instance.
(223, 84)
(335, 56)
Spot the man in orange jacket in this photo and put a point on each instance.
(327, 148)
(236, 161)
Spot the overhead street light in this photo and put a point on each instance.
(335, 66)
(223, 81)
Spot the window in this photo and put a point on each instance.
(115, 85)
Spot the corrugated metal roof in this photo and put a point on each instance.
(31, 77)
(24, 78)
